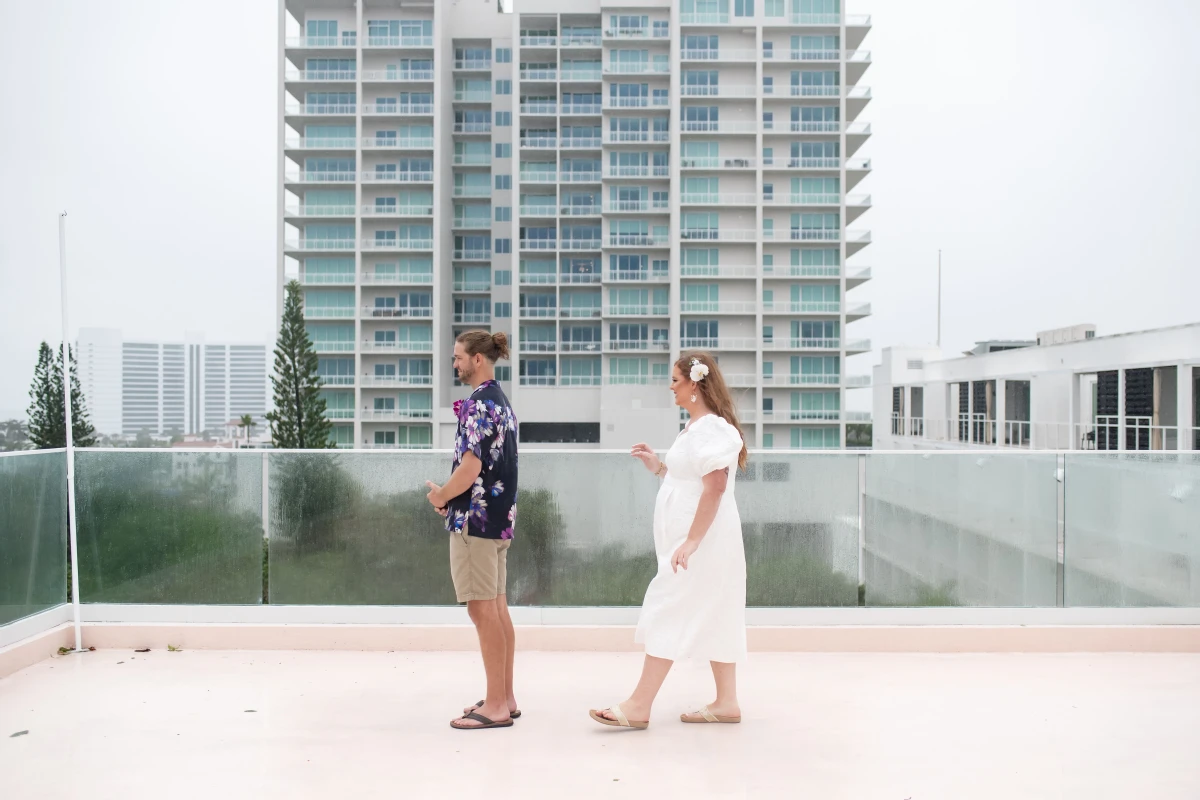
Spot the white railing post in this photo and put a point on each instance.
(72, 520)
(1184, 412)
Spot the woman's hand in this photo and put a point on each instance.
(643, 453)
(684, 552)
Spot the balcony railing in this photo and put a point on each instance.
(398, 109)
(539, 74)
(580, 40)
(636, 310)
(802, 163)
(704, 18)
(399, 41)
(806, 18)
(319, 143)
(716, 162)
(719, 343)
(319, 211)
(377, 245)
(328, 279)
(322, 75)
(580, 177)
(308, 176)
(802, 199)
(388, 75)
(396, 312)
(473, 96)
(397, 279)
(479, 318)
(538, 176)
(579, 244)
(719, 54)
(347, 39)
(472, 254)
(539, 142)
(718, 235)
(581, 109)
(539, 244)
(816, 55)
(388, 381)
(629, 206)
(472, 127)
(473, 64)
(638, 276)
(395, 414)
(472, 159)
(329, 312)
(644, 101)
(802, 307)
(659, 171)
(473, 223)
(473, 286)
(539, 210)
(718, 126)
(580, 312)
(319, 244)
(636, 68)
(539, 312)
(473, 191)
(721, 90)
(718, 271)
(539, 41)
(634, 137)
(585, 75)
(396, 347)
(577, 210)
(397, 211)
(579, 143)
(638, 240)
(398, 176)
(538, 347)
(802, 344)
(718, 307)
(721, 199)
(400, 143)
(538, 279)
(539, 108)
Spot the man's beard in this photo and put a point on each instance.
(465, 374)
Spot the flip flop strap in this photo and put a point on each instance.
(708, 715)
(620, 715)
(479, 718)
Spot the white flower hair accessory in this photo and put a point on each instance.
(699, 371)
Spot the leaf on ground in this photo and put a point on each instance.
(251, 711)
(146, 650)
(19, 733)
(173, 649)
(91, 649)
(62, 651)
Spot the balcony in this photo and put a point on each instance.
(539, 109)
(718, 271)
(803, 235)
(721, 199)
(329, 312)
(539, 75)
(385, 347)
(397, 279)
(473, 64)
(636, 137)
(472, 127)
(394, 381)
(800, 307)
(472, 159)
(539, 244)
(579, 177)
(388, 245)
(398, 143)
(580, 244)
(473, 191)
(320, 110)
(577, 210)
(719, 343)
(579, 347)
(397, 211)
(802, 163)
(719, 54)
(638, 240)
(801, 380)
(539, 142)
(812, 199)
(395, 414)
(816, 55)
(802, 344)
(900, 534)
(539, 41)
(580, 143)
(705, 18)
(396, 312)
(348, 39)
(319, 245)
(569, 75)
(638, 68)
(396, 75)
(717, 163)
(400, 41)
(581, 110)
(627, 32)
(473, 96)
(806, 18)
(718, 235)
(398, 176)
(637, 310)
(580, 312)
(717, 126)
(645, 171)
(637, 276)
(538, 347)
(542, 210)
(398, 110)
(636, 206)
(472, 254)
(718, 307)
(576, 278)
(310, 176)
(320, 76)
(319, 143)
(332, 347)
(721, 91)
(467, 318)
(473, 286)
(642, 101)
(579, 40)
(318, 212)
(634, 345)
(328, 279)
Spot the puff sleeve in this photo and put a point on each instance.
(716, 446)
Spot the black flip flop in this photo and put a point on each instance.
(514, 715)
(487, 723)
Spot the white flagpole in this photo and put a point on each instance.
(72, 519)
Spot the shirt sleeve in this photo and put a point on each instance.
(718, 445)
(482, 417)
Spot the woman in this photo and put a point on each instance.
(696, 605)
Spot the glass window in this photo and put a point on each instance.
(503, 55)
(503, 309)
(503, 213)
(503, 119)
(504, 245)
(774, 8)
(503, 150)
(504, 87)
(504, 181)
(743, 8)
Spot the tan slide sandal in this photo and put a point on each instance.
(621, 720)
(704, 715)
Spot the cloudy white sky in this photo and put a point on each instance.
(1047, 147)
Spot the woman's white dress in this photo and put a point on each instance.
(699, 612)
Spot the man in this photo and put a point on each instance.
(479, 503)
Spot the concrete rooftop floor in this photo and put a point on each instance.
(118, 724)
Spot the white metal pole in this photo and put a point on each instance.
(72, 519)
(939, 307)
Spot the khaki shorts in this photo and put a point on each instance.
(478, 567)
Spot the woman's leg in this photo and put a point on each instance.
(637, 707)
(725, 676)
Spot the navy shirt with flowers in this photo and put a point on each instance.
(487, 427)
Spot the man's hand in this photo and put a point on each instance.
(435, 497)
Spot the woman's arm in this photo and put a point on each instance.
(706, 512)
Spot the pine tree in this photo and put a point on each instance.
(47, 414)
(298, 421)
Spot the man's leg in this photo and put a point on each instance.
(474, 563)
(510, 655)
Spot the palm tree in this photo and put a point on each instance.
(14, 434)
(247, 422)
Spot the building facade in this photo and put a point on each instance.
(613, 186)
(166, 388)
(1066, 390)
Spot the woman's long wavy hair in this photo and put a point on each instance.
(715, 393)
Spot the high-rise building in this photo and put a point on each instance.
(164, 388)
(612, 185)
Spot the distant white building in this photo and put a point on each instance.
(170, 387)
(1066, 390)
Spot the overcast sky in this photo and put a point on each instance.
(1048, 147)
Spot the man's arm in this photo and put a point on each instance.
(459, 482)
